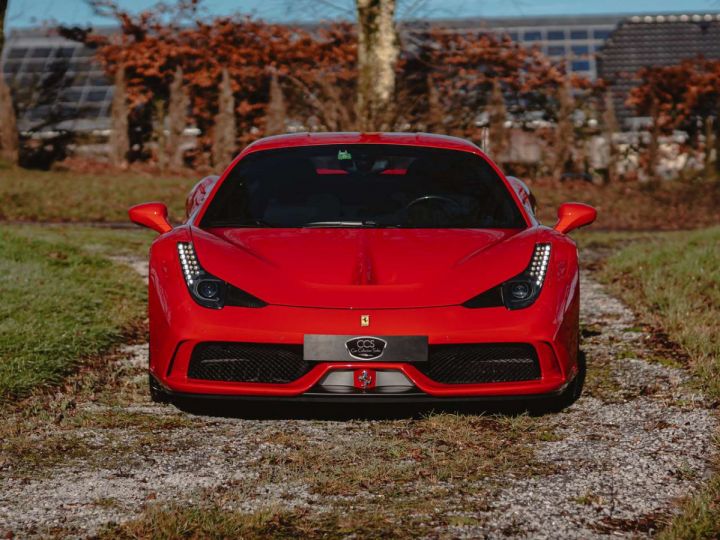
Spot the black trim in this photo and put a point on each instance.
(490, 298)
(473, 363)
(172, 358)
(247, 362)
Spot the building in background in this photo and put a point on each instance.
(572, 39)
(56, 82)
(654, 40)
(58, 85)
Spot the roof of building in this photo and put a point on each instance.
(659, 41)
(651, 41)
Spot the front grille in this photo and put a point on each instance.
(481, 363)
(247, 362)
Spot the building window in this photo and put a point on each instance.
(99, 80)
(556, 35)
(40, 52)
(580, 50)
(581, 65)
(34, 67)
(72, 94)
(601, 34)
(579, 34)
(532, 36)
(65, 52)
(11, 67)
(96, 95)
(556, 50)
(17, 52)
(513, 35)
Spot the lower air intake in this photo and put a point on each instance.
(247, 362)
(481, 363)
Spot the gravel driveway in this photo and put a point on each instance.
(100, 456)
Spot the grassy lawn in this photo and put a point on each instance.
(63, 300)
(673, 280)
(27, 195)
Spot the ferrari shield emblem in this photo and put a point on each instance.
(365, 379)
(364, 320)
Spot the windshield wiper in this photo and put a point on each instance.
(249, 223)
(348, 224)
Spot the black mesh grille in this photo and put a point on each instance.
(248, 362)
(481, 363)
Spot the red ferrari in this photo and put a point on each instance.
(376, 267)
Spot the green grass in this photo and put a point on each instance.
(63, 300)
(27, 195)
(673, 280)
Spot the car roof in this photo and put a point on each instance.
(406, 139)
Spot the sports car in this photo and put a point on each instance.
(381, 267)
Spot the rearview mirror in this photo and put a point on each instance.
(152, 215)
(572, 216)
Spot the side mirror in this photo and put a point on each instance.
(572, 216)
(152, 215)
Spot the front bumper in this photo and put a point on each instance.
(174, 335)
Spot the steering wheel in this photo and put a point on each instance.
(440, 198)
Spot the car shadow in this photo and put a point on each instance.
(250, 410)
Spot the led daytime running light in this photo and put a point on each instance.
(539, 264)
(188, 261)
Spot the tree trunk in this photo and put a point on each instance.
(717, 144)
(610, 127)
(3, 10)
(119, 141)
(276, 111)
(9, 141)
(653, 145)
(159, 134)
(499, 137)
(177, 118)
(225, 130)
(709, 147)
(434, 115)
(564, 131)
(378, 51)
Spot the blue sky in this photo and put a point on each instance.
(34, 12)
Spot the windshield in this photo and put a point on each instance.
(363, 186)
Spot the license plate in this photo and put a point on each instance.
(334, 348)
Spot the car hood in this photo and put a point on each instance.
(364, 268)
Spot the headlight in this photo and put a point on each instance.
(520, 291)
(206, 289)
